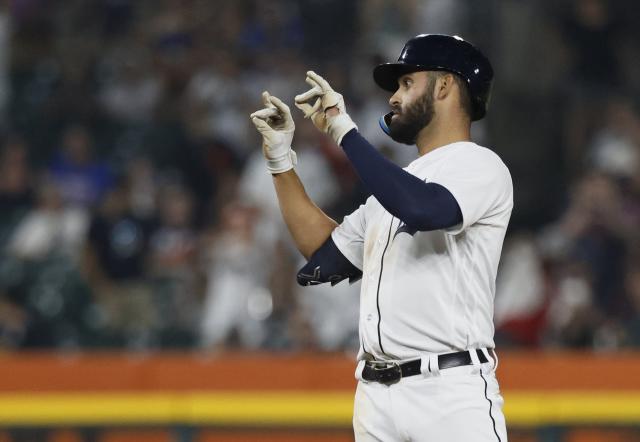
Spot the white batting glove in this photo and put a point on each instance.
(276, 126)
(336, 126)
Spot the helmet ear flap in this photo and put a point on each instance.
(384, 123)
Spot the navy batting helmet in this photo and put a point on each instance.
(436, 52)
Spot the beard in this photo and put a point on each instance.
(405, 127)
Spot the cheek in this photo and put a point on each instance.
(408, 104)
(413, 95)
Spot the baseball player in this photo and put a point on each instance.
(426, 243)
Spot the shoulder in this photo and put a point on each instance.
(476, 157)
(471, 168)
(474, 151)
(465, 151)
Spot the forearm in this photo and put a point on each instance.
(308, 224)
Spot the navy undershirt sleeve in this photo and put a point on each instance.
(423, 206)
(328, 264)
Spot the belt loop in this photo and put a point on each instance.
(475, 361)
(433, 365)
(492, 357)
(425, 366)
(359, 369)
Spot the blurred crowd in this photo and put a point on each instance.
(136, 211)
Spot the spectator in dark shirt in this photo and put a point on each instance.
(114, 261)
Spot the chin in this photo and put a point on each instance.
(402, 133)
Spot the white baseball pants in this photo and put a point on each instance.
(459, 404)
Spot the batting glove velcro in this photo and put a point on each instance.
(275, 124)
(326, 98)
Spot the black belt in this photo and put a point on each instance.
(391, 372)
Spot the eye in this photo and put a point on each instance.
(406, 82)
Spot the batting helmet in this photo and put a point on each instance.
(436, 52)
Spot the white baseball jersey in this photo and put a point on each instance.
(432, 292)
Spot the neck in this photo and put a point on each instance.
(442, 131)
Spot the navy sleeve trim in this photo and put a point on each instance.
(328, 264)
(423, 206)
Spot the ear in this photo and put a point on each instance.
(444, 85)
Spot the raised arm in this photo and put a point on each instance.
(309, 226)
(424, 206)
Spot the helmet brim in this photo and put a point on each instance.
(386, 75)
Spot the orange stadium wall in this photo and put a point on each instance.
(263, 397)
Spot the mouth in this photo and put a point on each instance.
(394, 116)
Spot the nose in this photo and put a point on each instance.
(394, 101)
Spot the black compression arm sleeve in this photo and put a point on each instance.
(423, 206)
(328, 264)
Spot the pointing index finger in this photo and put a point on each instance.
(265, 99)
(279, 104)
(319, 80)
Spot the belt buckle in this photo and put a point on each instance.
(387, 372)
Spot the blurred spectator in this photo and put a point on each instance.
(173, 242)
(593, 232)
(50, 227)
(173, 267)
(237, 299)
(615, 148)
(572, 317)
(332, 314)
(248, 303)
(522, 294)
(115, 267)
(81, 178)
(588, 248)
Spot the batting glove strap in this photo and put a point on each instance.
(339, 126)
(283, 163)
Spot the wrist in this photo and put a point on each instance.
(339, 126)
(282, 163)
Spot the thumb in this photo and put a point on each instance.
(261, 125)
(308, 109)
(278, 103)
